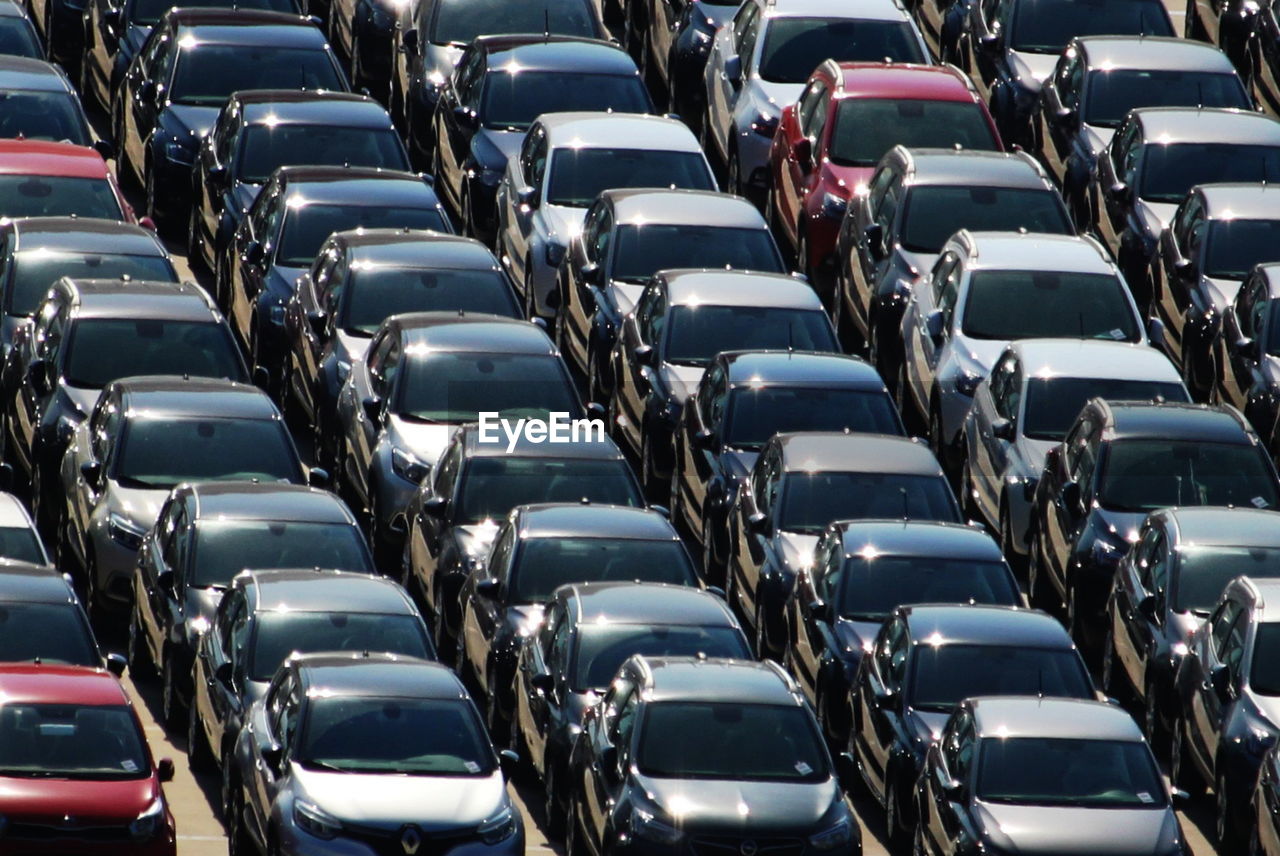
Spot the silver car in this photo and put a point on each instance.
(1026, 406)
(566, 160)
(987, 289)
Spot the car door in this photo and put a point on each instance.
(954, 756)
(146, 101)
(215, 174)
(1065, 518)
(1151, 563)
(381, 370)
(155, 587)
(663, 17)
(33, 393)
(701, 464)
(752, 544)
(634, 378)
(581, 297)
(924, 351)
(524, 176)
(482, 614)
(282, 708)
(210, 685)
(1177, 287)
(426, 530)
(101, 436)
(883, 200)
(1240, 346)
(1119, 169)
(795, 173)
(606, 777)
(734, 41)
(1060, 110)
(248, 264)
(538, 706)
(879, 701)
(1222, 649)
(813, 604)
(312, 340)
(993, 403)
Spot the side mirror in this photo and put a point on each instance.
(216, 174)
(804, 154)
(644, 354)
(874, 235)
(317, 321)
(889, 699)
(147, 91)
(1071, 495)
(705, 439)
(489, 588)
(596, 410)
(319, 477)
(1067, 117)
(273, 756)
(223, 674)
(935, 324)
(261, 377)
(988, 42)
(254, 253)
(435, 506)
(372, 409)
(733, 69)
(1248, 348)
(164, 769)
(590, 273)
(165, 581)
(527, 196)
(104, 148)
(509, 761)
(953, 790)
(1155, 332)
(92, 472)
(1220, 681)
(1003, 429)
(609, 761)
(464, 116)
(543, 683)
(819, 609)
(38, 376)
(409, 42)
(1184, 269)
(111, 17)
(1122, 192)
(115, 664)
(847, 771)
(758, 522)
(1147, 607)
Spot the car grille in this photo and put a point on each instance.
(724, 845)
(387, 842)
(18, 831)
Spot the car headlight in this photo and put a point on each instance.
(555, 253)
(124, 531)
(312, 819)
(838, 834)
(150, 822)
(500, 828)
(408, 467)
(178, 153)
(833, 206)
(647, 826)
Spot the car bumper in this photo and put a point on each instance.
(378, 842)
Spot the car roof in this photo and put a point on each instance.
(267, 501)
(24, 73)
(583, 129)
(1176, 420)
(583, 520)
(22, 582)
(311, 107)
(592, 449)
(1232, 527)
(738, 288)
(322, 590)
(169, 395)
(12, 512)
(142, 299)
(976, 624)
(900, 81)
(1062, 718)
(970, 167)
(457, 332)
(356, 185)
(799, 368)
(1152, 53)
(376, 675)
(678, 207)
(248, 27)
(85, 235)
(531, 52)
(911, 538)
(41, 157)
(10, 9)
(1163, 125)
(43, 683)
(1096, 359)
(645, 603)
(718, 679)
(863, 10)
(1261, 590)
(1239, 201)
(836, 451)
(414, 248)
(1026, 251)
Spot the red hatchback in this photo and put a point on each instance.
(43, 179)
(76, 775)
(849, 115)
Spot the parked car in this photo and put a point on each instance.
(18, 37)
(674, 39)
(44, 179)
(41, 614)
(40, 104)
(20, 541)
(1245, 353)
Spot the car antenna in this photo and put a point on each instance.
(906, 512)
(1080, 315)
(1199, 96)
(546, 24)
(1040, 684)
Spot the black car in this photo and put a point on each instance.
(742, 400)
(259, 130)
(17, 35)
(86, 334)
(1166, 586)
(429, 36)
(1019, 775)
(481, 476)
(862, 571)
(193, 60)
(267, 615)
(1156, 156)
(1265, 839)
(205, 535)
(358, 280)
(800, 484)
(683, 749)
(1099, 79)
(681, 321)
(1118, 462)
(1229, 24)
(1245, 360)
(925, 661)
(1217, 235)
(42, 620)
(674, 40)
(501, 85)
(1263, 61)
(39, 104)
(277, 241)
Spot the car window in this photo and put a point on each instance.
(891, 654)
(1221, 623)
(1189, 227)
(1006, 388)
(888, 209)
(1154, 568)
(1231, 654)
(1086, 460)
(947, 288)
(655, 320)
(806, 104)
(558, 656)
(447, 473)
(1069, 78)
(501, 554)
(598, 251)
(744, 29)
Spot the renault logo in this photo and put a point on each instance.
(748, 848)
(410, 840)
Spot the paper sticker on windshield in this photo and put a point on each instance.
(803, 769)
(1145, 797)
(1259, 502)
(472, 766)
(1117, 334)
(129, 765)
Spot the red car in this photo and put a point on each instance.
(850, 114)
(76, 775)
(43, 179)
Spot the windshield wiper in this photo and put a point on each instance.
(420, 420)
(322, 765)
(140, 484)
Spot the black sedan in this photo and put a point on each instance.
(39, 104)
(17, 35)
(1246, 360)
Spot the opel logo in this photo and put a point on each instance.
(410, 840)
(748, 848)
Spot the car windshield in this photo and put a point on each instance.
(71, 741)
(17, 38)
(57, 196)
(208, 73)
(578, 175)
(311, 225)
(100, 350)
(603, 648)
(1045, 26)
(158, 452)
(147, 13)
(1143, 475)
(792, 46)
(281, 634)
(1204, 571)
(398, 735)
(936, 212)
(1111, 93)
(225, 547)
(945, 675)
(810, 501)
(643, 250)
(375, 293)
(756, 413)
(866, 128)
(458, 22)
(34, 271)
(1035, 304)
(698, 333)
(1066, 772)
(22, 544)
(43, 116)
(492, 486)
(457, 387)
(1264, 676)
(868, 588)
(545, 564)
(1053, 403)
(732, 741)
(512, 101)
(1169, 170)
(1235, 246)
(48, 632)
(265, 147)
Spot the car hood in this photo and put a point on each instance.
(195, 119)
(425, 442)
(1034, 451)
(741, 806)
(140, 505)
(1097, 137)
(778, 95)
(1155, 215)
(563, 222)
(1058, 830)
(134, 36)
(626, 294)
(984, 352)
(525, 617)
(739, 462)
(431, 802)
(856, 637)
(88, 803)
(494, 147)
(1223, 291)
(681, 380)
(474, 540)
(796, 549)
(927, 725)
(83, 398)
(198, 607)
(244, 193)
(1032, 69)
(921, 263)
(1122, 524)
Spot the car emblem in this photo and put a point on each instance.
(748, 848)
(410, 840)
(68, 820)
